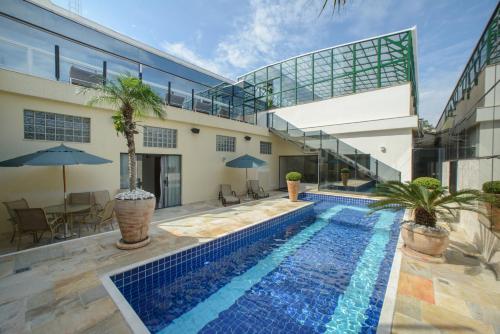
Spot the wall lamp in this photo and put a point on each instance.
(247, 138)
(195, 130)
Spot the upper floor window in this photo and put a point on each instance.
(41, 125)
(265, 147)
(160, 137)
(225, 144)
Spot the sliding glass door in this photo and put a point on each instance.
(158, 174)
(171, 180)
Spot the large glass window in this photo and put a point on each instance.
(26, 50)
(41, 125)
(80, 65)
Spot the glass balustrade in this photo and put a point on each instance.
(336, 157)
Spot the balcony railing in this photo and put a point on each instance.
(363, 165)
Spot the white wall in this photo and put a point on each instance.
(366, 121)
(203, 168)
(397, 143)
(384, 103)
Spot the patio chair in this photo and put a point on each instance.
(11, 206)
(203, 106)
(227, 195)
(34, 221)
(104, 217)
(84, 198)
(99, 200)
(176, 100)
(256, 190)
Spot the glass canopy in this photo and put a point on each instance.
(347, 69)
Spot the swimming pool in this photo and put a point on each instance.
(322, 268)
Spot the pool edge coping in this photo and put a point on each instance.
(127, 312)
(386, 317)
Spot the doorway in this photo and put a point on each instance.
(307, 165)
(158, 174)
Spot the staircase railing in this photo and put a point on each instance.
(315, 141)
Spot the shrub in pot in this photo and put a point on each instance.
(293, 184)
(422, 234)
(492, 198)
(345, 173)
(427, 182)
(132, 99)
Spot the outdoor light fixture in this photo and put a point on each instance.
(383, 149)
(247, 138)
(195, 130)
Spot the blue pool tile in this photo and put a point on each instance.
(299, 296)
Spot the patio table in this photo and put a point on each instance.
(67, 213)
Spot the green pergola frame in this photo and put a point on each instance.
(379, 62)
(352, 68)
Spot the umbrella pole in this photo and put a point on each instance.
(246, 182)
(65, 216)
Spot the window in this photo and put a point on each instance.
(265, 147)
(160, 137)
(226, 144)
(41, 125)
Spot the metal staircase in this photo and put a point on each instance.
(325, 144)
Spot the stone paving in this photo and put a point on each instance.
(57, 288)
(460, 295)
(161, 214)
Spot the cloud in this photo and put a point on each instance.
(270, 30)
(180, 50)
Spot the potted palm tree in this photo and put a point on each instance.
(492, 193)
(345, 173)
(132, 99)
(293, 185)
(422, 234)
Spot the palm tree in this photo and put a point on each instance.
(133, 99)
(335, 4)
(427, 204)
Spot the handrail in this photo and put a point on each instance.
(341, 148)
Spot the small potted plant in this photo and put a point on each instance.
(131, 98)
(421, 233)
(427, 182)
(345, 173)
(492, 194)
(293, 184)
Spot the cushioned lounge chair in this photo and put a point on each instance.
(227, 195)
(256, 190)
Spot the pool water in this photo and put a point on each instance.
(323, 269)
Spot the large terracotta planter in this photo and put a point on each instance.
(493, 211)
(427, 241)
(345, 178)
(133, 218)
(293, 190)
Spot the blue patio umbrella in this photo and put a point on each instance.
(61, 155)
(246, 161)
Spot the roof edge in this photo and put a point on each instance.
(50, 6)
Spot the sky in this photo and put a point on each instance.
(232, 37)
